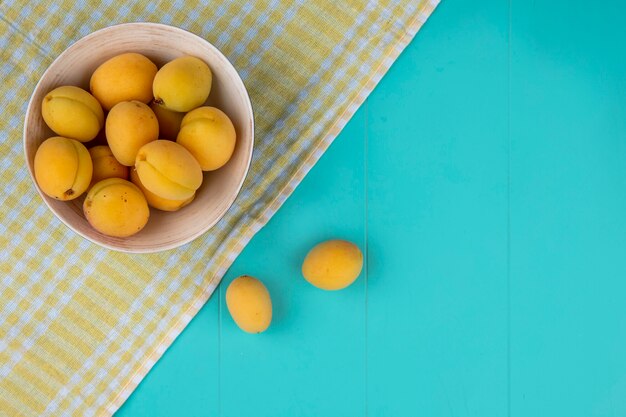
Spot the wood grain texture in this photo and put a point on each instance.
(160, 43)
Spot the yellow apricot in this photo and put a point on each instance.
(156, 201)
(105, 165)
(169, 121)
(333, 265)
(63, 168)
(124, 77)
(116, 207)
(168, 170)
(249, 304)
(182, 84)
(129, 126)
(209, 135)
(73, 113)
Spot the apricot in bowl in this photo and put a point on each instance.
(160, 44)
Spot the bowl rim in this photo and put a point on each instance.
(250, 150)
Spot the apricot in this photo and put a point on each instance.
(209, 135)
(249, 303)
(63, 168)
(73, 113)
(105, 165)
(168, 170)
(182, 84)
(116, 207)
(333, 265)
(124, 77)
(156, 201)
(129, 126)
(169, 121)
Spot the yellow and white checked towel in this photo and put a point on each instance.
(80, 326)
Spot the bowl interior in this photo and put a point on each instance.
(160, 43)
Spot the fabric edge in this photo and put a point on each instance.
(135, 378)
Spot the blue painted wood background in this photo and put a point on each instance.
(485, 177)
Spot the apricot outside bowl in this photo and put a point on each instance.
(160, 43)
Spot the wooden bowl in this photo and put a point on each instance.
(160, 43)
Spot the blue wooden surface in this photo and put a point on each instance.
(486, 176)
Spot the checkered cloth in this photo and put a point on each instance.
(80, 326)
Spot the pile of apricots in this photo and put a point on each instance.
(159, 139)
